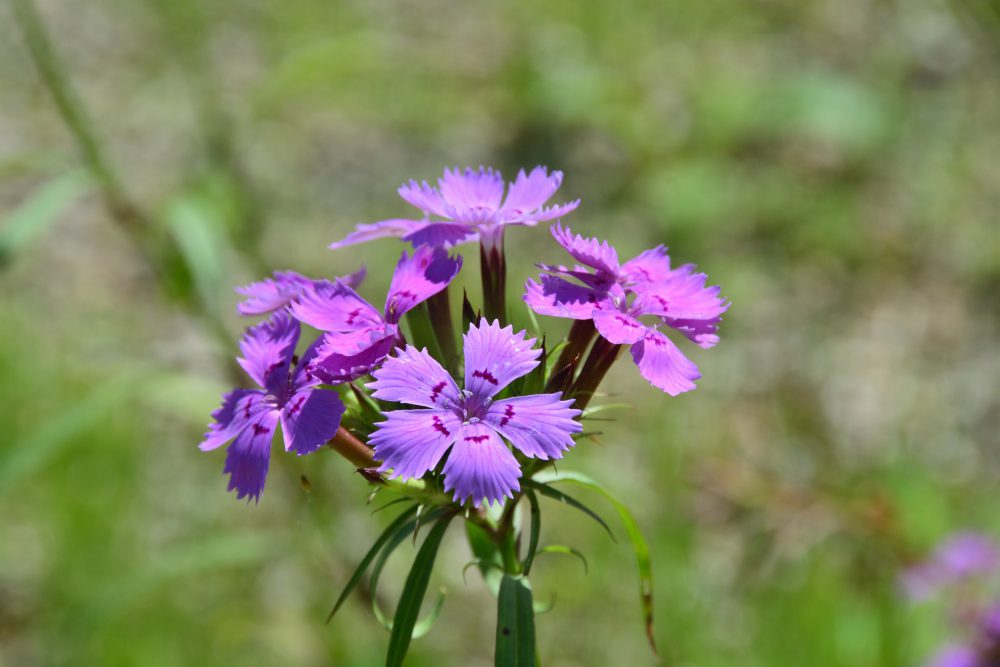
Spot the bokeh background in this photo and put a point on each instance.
(833, 165)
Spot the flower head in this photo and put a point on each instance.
(617, 295)
(266, 296)
(309, 416)
(469, 205)
(358, 336)
(468, 424)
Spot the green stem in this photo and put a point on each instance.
(439, 310)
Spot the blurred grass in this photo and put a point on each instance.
(831, 165)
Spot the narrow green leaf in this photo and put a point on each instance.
(386, 535)
(401, 534)
(570, 551)
(536, 529)
(515, 645)
(639, 545)
(556, 494)
(413, 594)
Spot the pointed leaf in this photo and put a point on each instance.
(639, 545)
(536, 529)
(560, 549)
(515, 625)
(551, 492)
(413, 594)
(370, 556)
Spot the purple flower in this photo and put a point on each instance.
(270, 294)
(956, 656)
(358, 336)
(962, 556)
(309, 416)
(467, 425)
(617, 295)
(982, 646)
(470, 205)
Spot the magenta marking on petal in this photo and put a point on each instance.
(437, 389)
(260, 429)
(486, 375)
(477, 438)
(508, 414)
(440, 427)
(297, 405)
(626, 322)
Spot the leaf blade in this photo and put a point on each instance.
(413, 594)
(515, 644)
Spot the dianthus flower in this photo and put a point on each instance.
(471, 206)
(615, 296)
(467, 425)
(962, 556)
(358, 336)
(309, 416)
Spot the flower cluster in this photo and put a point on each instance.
(475, 442)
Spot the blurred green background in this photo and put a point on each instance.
(833, 165)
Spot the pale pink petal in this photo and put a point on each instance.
(442, 234)
(424, 197)
(650, 266)
(557, 298)
(268, 349)
(663, 364)
(239, 407)
(377, 230)
(590, 251)
(617, 327)
(472, 192)
(682, 297)
(335, 307)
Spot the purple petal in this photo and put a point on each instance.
(663, 364)
(471, 195)
(589, 251)
(415, 377)
(495, 357)
(418, 278)
(248, 457)
(411, 442)
(528, 193)
(540, 425)
(650, 266)
(354, 280)
(346, 356)
(956, 656)
(557, 298)
(545, 214)
(424, 197)
(377, 230)
(310, 419)
(442, 234)
(702, 332)
(335, 307)
(617, 327)
(271, 294)
(682, 297)
(267, 350)
(480, 466)
(239, 407)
